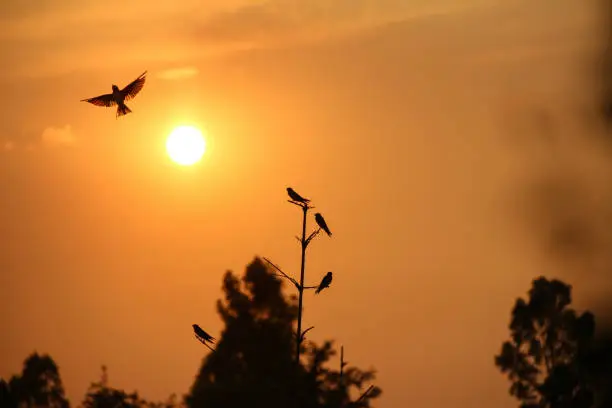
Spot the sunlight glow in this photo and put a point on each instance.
(185, 145)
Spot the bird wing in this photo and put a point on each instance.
(134, 87)
(321, 221)
(102, 100)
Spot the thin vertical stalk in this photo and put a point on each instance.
(301, 288)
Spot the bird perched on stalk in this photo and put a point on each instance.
(325, 282)
(296, 197)
(202, 335)
(119, 96)
(321, 223)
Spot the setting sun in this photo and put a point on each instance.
(185, 145)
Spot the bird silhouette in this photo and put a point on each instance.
(202, 335)
(321, 223)
(327, 279)
(119, 96)
(296, 197)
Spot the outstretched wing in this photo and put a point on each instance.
(134, 87)
(102, 100)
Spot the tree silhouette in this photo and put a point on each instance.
(254, 362)
(543, 359)
(39, 384)
(6, 397)
(101, 395)
(596, 363)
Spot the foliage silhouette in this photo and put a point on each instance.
(254, 362)
(596, 363)
(101, 395)
(544, 358)
(6, 397)
(39, 384)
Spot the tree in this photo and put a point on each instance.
(39, 384)
(254, 362)
(6, 397)
(597, 365)
(543, 359)
(101, 395)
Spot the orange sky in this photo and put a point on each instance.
(422, 131)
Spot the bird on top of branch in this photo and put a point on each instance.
(325, 282)
(296, 197)
(202, 335)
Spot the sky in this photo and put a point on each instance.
(455, 152)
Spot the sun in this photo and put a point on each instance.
(185, 145)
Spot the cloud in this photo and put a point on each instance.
(280, 21)
(178, 73)
(58, 136)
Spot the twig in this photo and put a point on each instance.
(303, 335)
(311, 236)
(300, 204)
(310, 287)
(342, 364)
(204, 343)
(364, 394)
(297, 285)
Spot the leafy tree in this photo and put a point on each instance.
(597, 365)
(6, 397)
(101, 395)
(543, 359)
(254, 362)
(39, 384)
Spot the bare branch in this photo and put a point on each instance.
(311, 236)
(284, 275)
(304, 333)
(300, 204)
(311, 287)
(370, 388)
(205, 343)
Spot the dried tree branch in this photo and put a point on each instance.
(303, 335)
(205, 343)
(312, 235)
(283, 274)
(370, 388)
(299, 204)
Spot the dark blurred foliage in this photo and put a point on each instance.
(254, 362)
(39, 384)
(554, 358)
(101, 395)
(253, 365)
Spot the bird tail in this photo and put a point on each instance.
(123, 110)
(317, 291)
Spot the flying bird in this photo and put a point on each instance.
(327, 279)
(296, 197)
(202, 335)
(119, 96)
(321, 223)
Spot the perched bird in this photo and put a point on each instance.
(201, 334)
(296, 197)
(321, 223)
(119, 96)
(324, 282)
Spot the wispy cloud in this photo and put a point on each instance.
(173, 34)
(53, 136)
(8, 145)
(178, 73)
